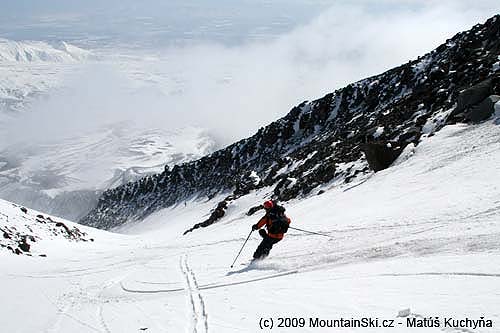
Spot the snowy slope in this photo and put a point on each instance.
(65, 177)
(419, 239)
(29, 232)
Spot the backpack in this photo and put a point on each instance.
(279, 221)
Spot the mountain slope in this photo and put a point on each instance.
(66, 177)
(321, 142)
(414, 241)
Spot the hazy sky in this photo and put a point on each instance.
(228, 78)
(154, 22)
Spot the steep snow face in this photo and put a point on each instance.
(66, 177)
(418, 240)
(449, 177)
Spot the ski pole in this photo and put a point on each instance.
(242, 248)
(311, 232)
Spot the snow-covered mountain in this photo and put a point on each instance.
(65, 178)
(37, 51)
(417, 240)
(31, 68)
(334, 139)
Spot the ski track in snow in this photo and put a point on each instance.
(445, 273)
(221, 285)
(199, 317)
(100, 311)
(153, 323)
(214, 285)
(153, 291)
(102, 321)
(64, 312)
(71, 300)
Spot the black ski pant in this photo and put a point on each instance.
(265, 246)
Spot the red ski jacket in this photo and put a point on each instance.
(265, 220)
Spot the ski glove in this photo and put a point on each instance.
(255, 227)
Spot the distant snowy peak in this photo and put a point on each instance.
(37, 51)
(32, 68)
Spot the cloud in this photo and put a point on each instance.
(232, 91)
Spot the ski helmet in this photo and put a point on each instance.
(268, 204)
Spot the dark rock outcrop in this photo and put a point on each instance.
(216, 215)
(380, 155)
(254, 210)
(468, 101)
(24, 246)
(474, 95)
(483, 110)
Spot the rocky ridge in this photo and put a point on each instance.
(323, 141)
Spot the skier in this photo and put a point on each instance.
(276, 223)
